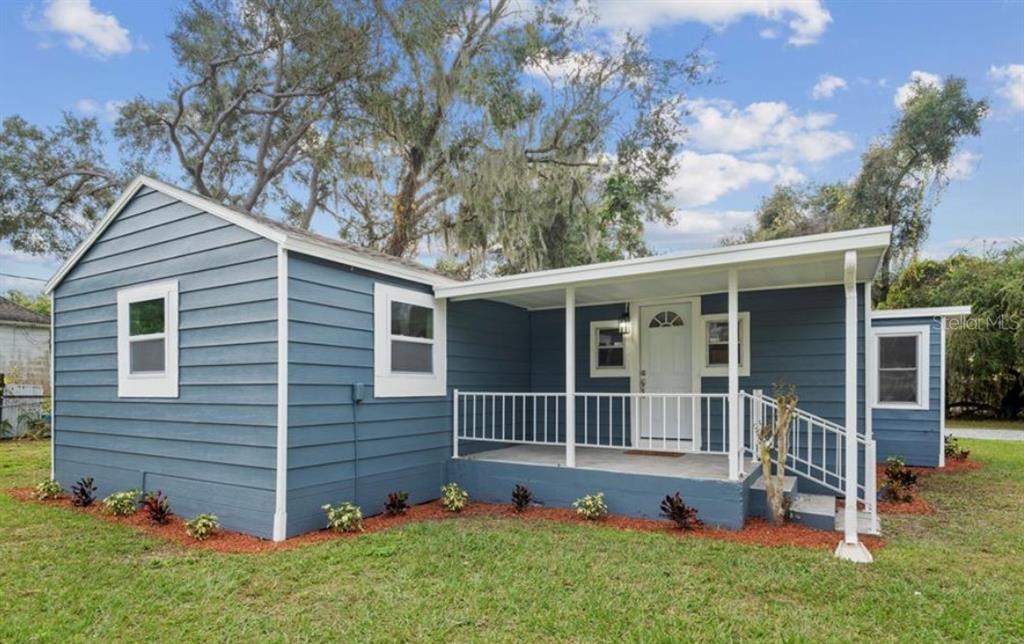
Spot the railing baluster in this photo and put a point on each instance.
(664, 426)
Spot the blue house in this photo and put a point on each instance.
(257, 372)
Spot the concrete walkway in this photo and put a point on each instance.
(987, 434)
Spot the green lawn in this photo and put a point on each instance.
(953, 575)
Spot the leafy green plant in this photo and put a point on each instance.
(521, 497)
(591, 507)
(396, 503)
(684, 516)
(954, 450)
(898, 484)
(83, 493)
(346, 517)
(453, 497)
(202, 527)
(49, 489)
(122, 504)
(157, 507)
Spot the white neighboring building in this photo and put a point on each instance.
(24, 345)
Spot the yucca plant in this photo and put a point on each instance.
(521, 497)
(83, 493)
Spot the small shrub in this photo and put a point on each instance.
(157, 507)
(202, 526)
(346, 517)
(396, 503)
(521, 497)
(591, 507)
(954, 450)
(684, 516)
(122, 504)
(899, 481)
(49, 489)
(83, 493)
(453, 497)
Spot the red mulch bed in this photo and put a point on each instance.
(756, 532)
(918, 505)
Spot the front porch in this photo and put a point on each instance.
(656, 369)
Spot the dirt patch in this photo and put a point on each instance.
(756, 532)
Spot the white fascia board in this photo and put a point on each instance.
(276, 235)
(350, 258)
(868, 238)
(928, 312)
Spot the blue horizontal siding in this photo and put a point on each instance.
(212, 449)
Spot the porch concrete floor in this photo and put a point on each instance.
(690, 466)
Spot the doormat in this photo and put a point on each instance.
(651, 452)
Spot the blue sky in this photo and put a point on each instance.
(763, 122)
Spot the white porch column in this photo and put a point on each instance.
(850, 548)
(570, 376)
(735, 440)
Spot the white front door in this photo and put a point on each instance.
(666, 367)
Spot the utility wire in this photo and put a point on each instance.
(24, 277)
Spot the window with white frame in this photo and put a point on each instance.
(147, 341)
(409, 343)
(901, 359)
(716, 344)
(607, 350)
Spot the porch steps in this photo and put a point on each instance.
(814, 510)
(810, 509)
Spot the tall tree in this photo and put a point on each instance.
(985, 354)
(901, 179)
(508, 135)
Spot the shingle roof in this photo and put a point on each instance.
(11, 312)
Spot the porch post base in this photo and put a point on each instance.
(855, 552)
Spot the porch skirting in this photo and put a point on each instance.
(719, 503)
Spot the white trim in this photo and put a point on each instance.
(868, 238)
(274, 234)
(607, 372)
(733, 370)
(929, 312)
(722, 371)
(869, 363)
(570, 376)
(942, 394)
(923, 334)
(850, 470)
(281, 490)
(148, 385)
(53, 393)
(405, 385)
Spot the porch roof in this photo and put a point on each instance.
(798, 261)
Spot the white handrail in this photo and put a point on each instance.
(816, 449)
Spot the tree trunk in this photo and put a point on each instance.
(776, 436)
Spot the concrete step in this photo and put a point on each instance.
(814, 510)
(863, 522)
(788, 485)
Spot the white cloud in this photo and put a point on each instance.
(962, 165)
(1011, 79)
(702, 178)
(806, 19)
(826, 86)
(917, 78)
(109, 110)
(87, 30)
(768, 33)
(696, 229)
(767, 130)
(558, 70)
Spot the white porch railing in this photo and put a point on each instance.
(668, 422)
(816, 449)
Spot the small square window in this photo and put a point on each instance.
(716, 344)
(607, 350)
(147, 341)
(408, 341)
(901, 380)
